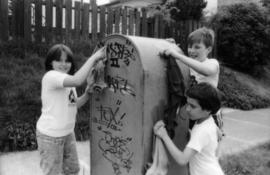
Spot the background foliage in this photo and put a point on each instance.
(188, 9)
(179, 10)
(237, 95)
(243, 37)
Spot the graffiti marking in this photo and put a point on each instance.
(115, 150)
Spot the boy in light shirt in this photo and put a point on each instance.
(200, 152)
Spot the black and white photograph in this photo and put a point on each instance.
(134, 87)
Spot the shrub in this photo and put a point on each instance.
(21, 135)
(237, 95)
(242, 39)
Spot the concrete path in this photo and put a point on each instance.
(27, 162)
(244, 129)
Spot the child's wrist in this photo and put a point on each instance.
(88, 94)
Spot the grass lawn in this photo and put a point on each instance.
(254, 161)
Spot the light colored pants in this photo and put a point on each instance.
(58, 154)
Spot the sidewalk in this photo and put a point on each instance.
(27, 162)
(244, 129)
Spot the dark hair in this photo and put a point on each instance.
(206, 95)
(54, 54)
(205, 35)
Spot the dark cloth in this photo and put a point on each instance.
(176, 95)
(192, 81)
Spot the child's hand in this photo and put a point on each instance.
(161, 132)
(159, 129)
(159, 124)
(171, 40)
(168, 52)
(100, 54)
(89, 89)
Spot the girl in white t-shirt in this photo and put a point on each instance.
(200, 152)
(55, 127)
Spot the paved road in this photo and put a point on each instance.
(245, 129)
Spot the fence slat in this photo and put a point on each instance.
(117, 20)
(59, 20)
(144, 22)
(17, 18)
(131, 22)
(4, 27)
(94, 20)
(27, 21)
(137, 23)
(48, 19)
(109, 21)
(38, 21)
(85, 22)
(162, 24)
(77, 20)
(102, 23)
(68, 21)
(156, 28)
(124, 21)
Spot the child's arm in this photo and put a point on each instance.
(181, 157)
(88, 90)
(85, 97)
(81, 75)
(200, 67)
(82, 100)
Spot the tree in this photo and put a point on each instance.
(266, 3)
(180, 9)
(188, 9)
(243, 40)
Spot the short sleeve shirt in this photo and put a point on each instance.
(204, 141)
(59, 109)
(196, 77)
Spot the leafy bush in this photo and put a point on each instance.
(21, 135)
(242, 38)
(192, 9)
(237, 95)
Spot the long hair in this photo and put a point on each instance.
(54, 54)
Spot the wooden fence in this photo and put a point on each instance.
(54, 21)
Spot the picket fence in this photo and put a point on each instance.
(66, 21)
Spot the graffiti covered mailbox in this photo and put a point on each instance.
(123, 115)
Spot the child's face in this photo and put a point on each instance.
(62, 65)
(195, 111)
(198, 51)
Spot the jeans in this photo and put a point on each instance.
(58, 155)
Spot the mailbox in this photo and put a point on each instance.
(123, 115)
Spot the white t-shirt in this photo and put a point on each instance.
(212, 79)
(204, 140)
(58, 113)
